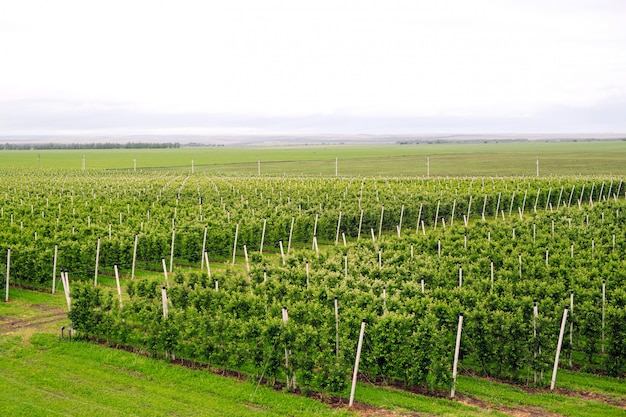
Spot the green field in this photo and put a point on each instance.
(453, 159)
(43, 374)
(47, 196)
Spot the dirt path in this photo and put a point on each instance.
(44, 319)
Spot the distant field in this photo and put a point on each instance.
(454, 159)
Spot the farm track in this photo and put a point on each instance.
(583, 395)
(46, 316)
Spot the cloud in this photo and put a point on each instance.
(50, 116)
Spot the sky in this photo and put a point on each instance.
(77, 67)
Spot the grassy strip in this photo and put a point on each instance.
(409, 403)
(515, 397)
(52, 376)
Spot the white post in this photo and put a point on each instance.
(263, 236)
(498, 206)
(452, 215)
(132, 273)
(373, 236)
(460, 276)
(282, 251)
(536, 200)
(235, 243)
(419, 217)
(358, 236)
(65, 279)
(535, 317)
(338, 226)
(571, 194)
(95, 279)
(345, 265)
(385, 299)
(484, 207)
(285, 318)
(167, 282)
(343, 236)
(54, 267)
(571, 324)
(456, 355)
(203, 248)
(422, 284)
(491, 275)
(356, 363)
(469, 209)
(400, 224)
(290, 235)
(117, 282)
(603, 310)
(558, 348)
(206, 261)
(245, 253)
(164, 301)
(315, 231)
(172, 250)
(6, 298)
(336, 327)
(537, 165)
(380, 226)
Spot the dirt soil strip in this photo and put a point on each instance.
(615, 401)
(594, 396)
(11, 325)
(515, 412)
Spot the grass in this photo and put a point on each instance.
(43, 374)
(451, 159)
(543, 401)
(57, 377)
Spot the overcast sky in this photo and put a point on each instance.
(312, 66)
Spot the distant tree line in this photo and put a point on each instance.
(107, 145)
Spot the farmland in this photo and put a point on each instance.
(447, 159)
(270, 276)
